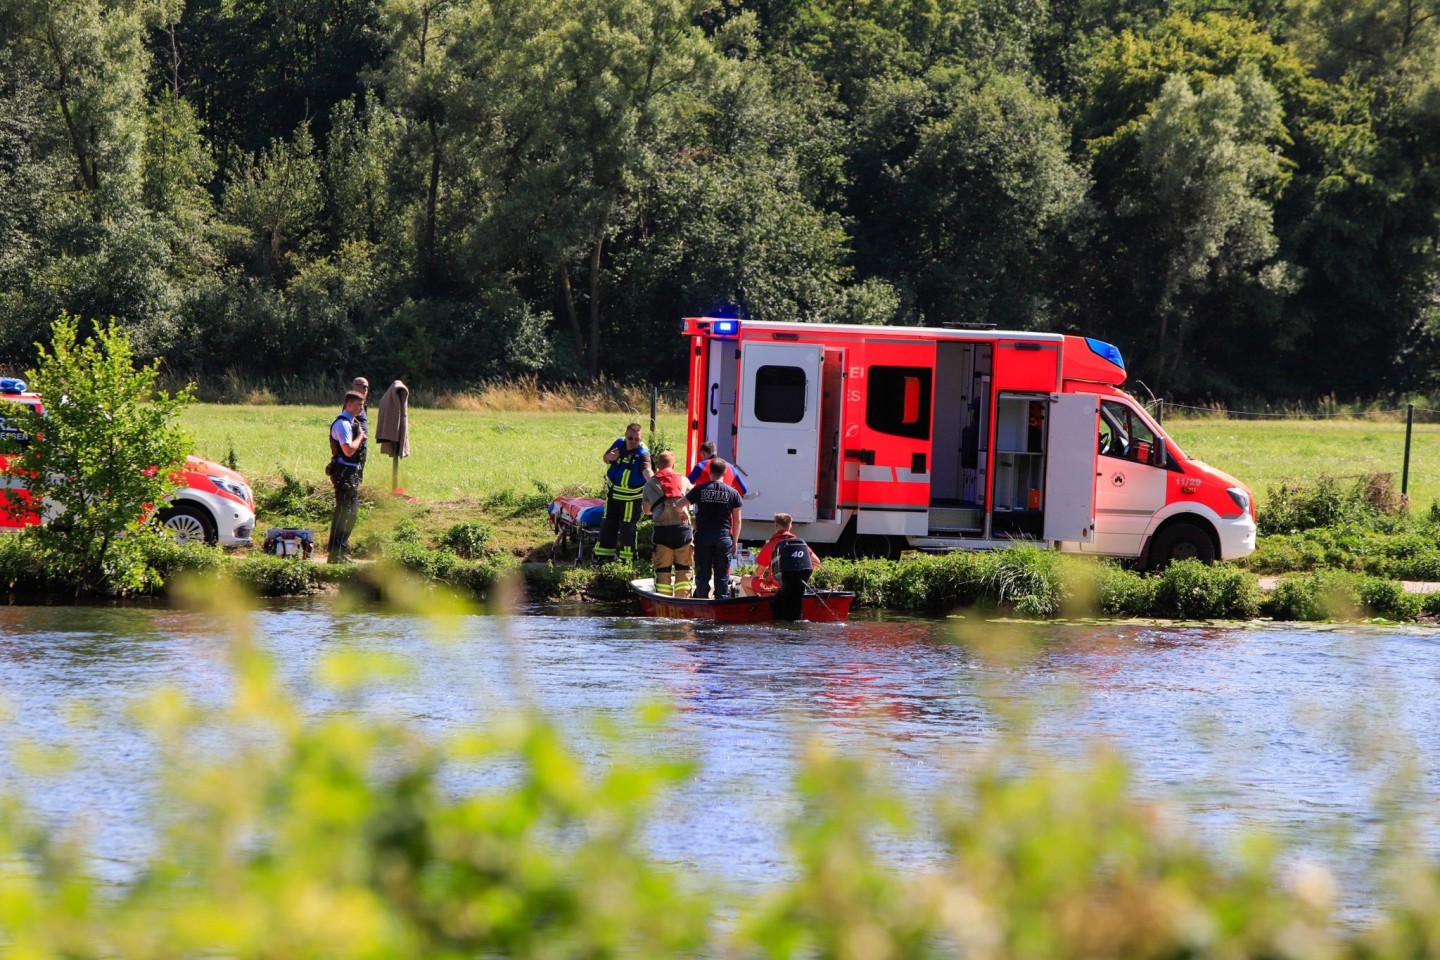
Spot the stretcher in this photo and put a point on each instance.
(575, 520)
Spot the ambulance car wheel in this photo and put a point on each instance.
(878, 545)
(188, 523)
(1181, 541)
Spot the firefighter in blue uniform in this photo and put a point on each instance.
(624, 486)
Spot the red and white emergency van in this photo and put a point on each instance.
(952, 438)
(213, 505)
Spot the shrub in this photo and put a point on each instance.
(1327, 502)
(1340, 595)
(467, 540)
(443, 566)
(1028, 578)
(1190, 590)
(110, 448)
(294, 498)
(1123, 593)
(268, 576)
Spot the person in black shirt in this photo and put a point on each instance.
(717, 530)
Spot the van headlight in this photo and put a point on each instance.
(1241, 498)
(238, 490)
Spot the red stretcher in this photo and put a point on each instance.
(575, 520)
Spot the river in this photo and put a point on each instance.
(1298, 730)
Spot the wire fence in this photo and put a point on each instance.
(1401, 442)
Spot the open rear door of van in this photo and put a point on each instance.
(1070, 470)
(778, 443)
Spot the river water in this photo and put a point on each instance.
(1296, 730)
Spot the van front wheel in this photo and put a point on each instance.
(188, 523)
(1181, 541)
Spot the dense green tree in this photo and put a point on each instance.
(279, 197)
(965, 190)
(579, 96)
(254, 70)
(100, 458)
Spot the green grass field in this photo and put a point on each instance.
(461, 459)
(1263, 453)
(456, 456)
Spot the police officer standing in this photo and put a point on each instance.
(347, 440)
(624, 485)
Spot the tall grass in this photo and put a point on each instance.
(521, 394)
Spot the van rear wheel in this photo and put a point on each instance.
(1181, 541)
(188, 523)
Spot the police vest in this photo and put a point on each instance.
(337, 453)
(792, 555)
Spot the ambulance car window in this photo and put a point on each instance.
(780, 394)
(898, 401)
(10, 432)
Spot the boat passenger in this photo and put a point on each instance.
(784, 567)
(674, 550)
(717, 530)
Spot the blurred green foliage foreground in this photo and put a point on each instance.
(332, 837)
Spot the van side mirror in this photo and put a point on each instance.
(1159, 455)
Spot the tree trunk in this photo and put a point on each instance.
(89, 177)
(594, 358)
(432, 194)
(567, 295)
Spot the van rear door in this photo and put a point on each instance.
(778, 444)
(1070, 470)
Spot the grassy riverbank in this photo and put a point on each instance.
(478, 484)
(463, 456)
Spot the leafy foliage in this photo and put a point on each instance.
(452, 192)
(105, 451)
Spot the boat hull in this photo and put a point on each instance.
(821, 606)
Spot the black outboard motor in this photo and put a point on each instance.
(793, 569)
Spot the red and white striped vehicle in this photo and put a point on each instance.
(214, 505)
(952, 438)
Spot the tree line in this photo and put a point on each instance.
(1244, 195)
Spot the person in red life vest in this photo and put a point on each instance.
(784, 567)
(625, 477)
(701, 471)
(674, 550)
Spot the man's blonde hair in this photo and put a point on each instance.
(665, 459)
(783, 520)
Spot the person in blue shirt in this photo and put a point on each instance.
(625, 478)
(347, 438)
(717, 530)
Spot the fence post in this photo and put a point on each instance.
(654, 404)
(1160, 411)
(1409, 429)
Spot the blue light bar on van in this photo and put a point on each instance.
(12, 385)
(725, 328)
(1107, 350)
